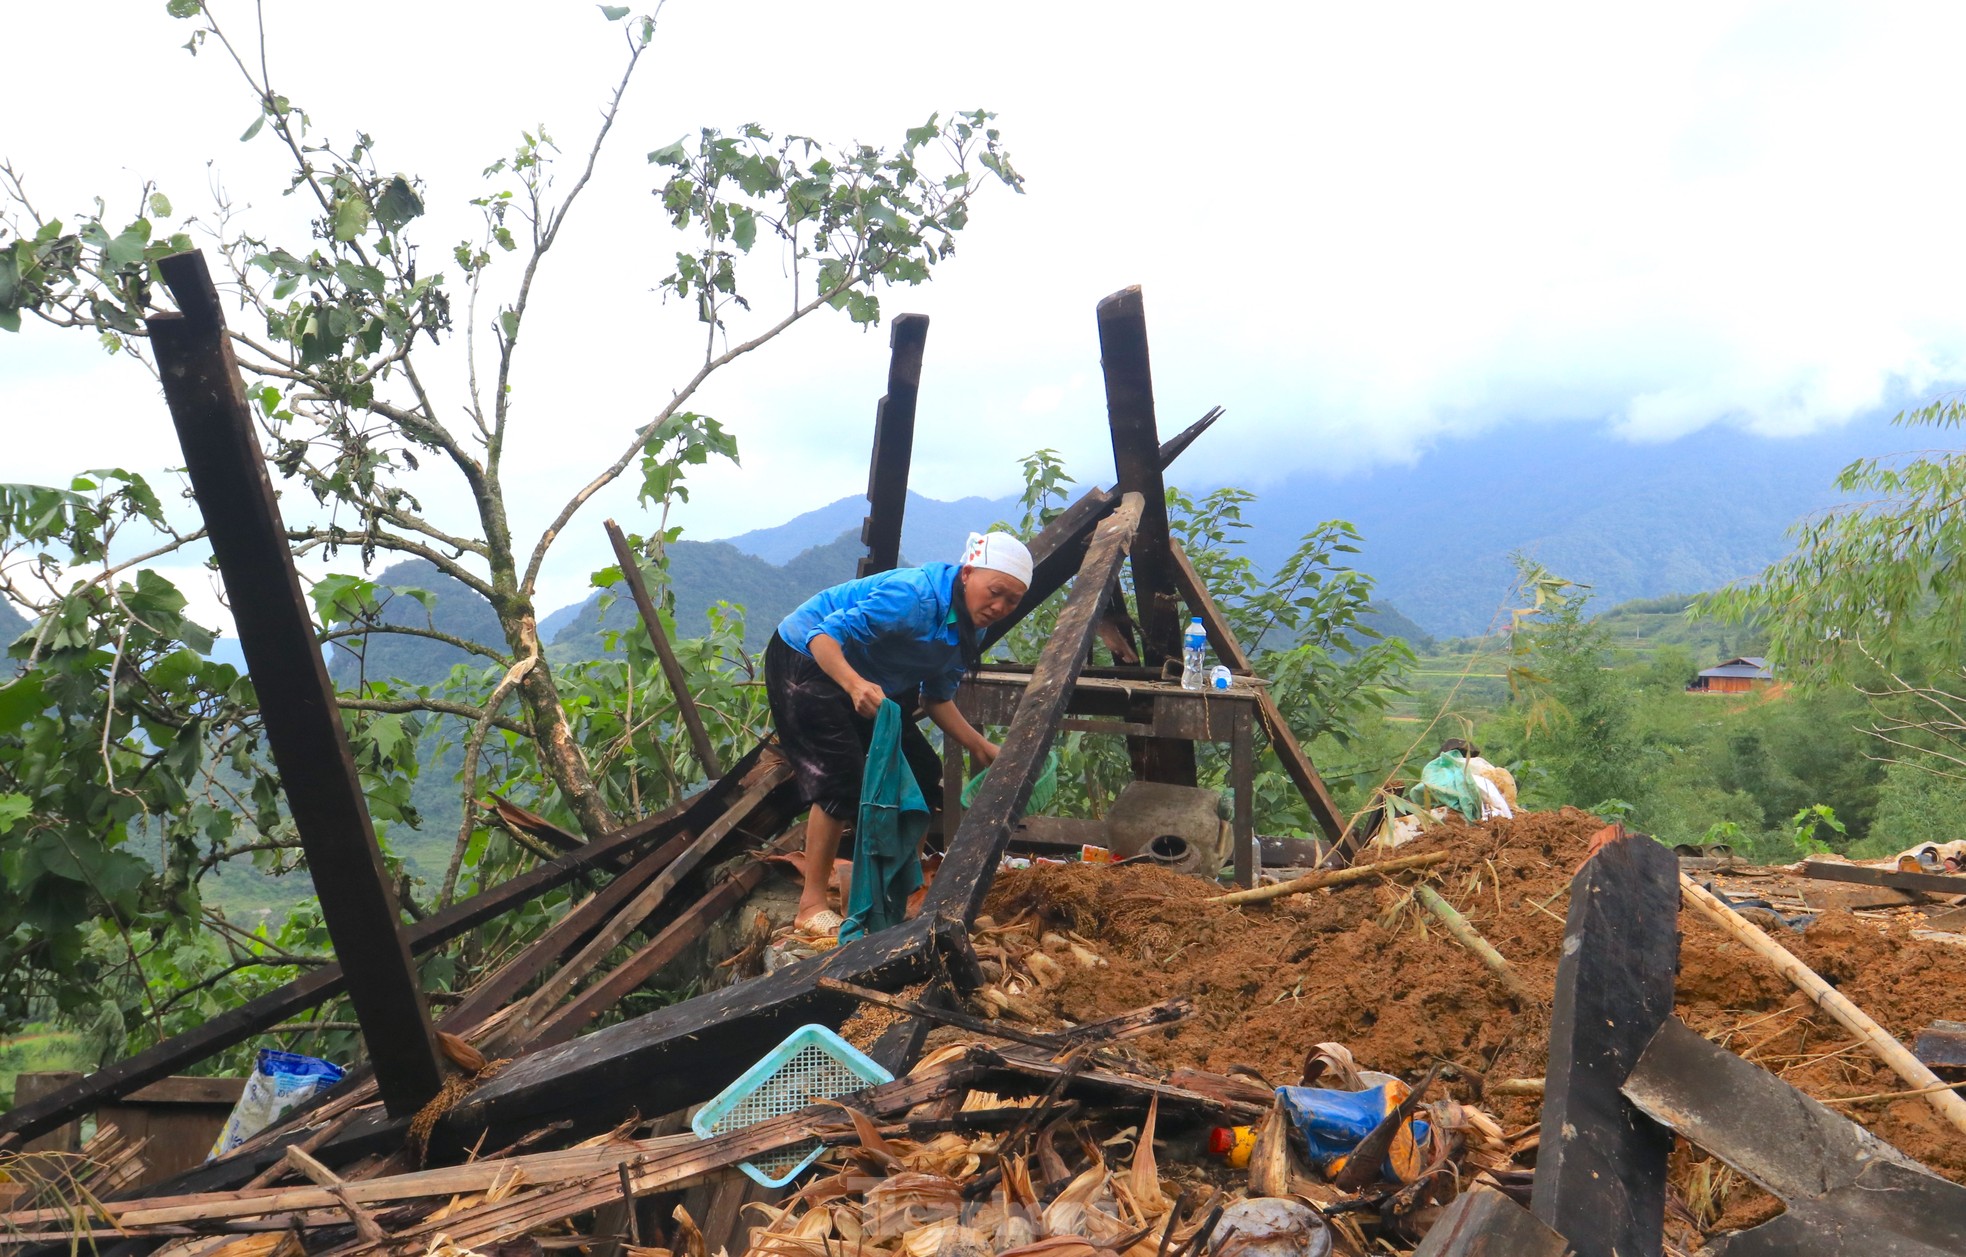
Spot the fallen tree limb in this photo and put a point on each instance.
(1466, 935)
(1831, 1001)
(1335, 877)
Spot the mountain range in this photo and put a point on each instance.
(1632, 520)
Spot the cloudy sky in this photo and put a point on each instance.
(1359, 227)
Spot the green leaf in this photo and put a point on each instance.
(508, 320)
(253, 130)
(160, 205)
(184, 8)
(22, 701)
(613, 12)
(9, 319)
(351, 218)
(744, 228)
(669, 155)
(398, 204)
(12, 808)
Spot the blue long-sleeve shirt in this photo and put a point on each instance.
(897, 628)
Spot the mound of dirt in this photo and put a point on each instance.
(1365, 966)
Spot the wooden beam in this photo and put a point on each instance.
(1058, 549)
(296, 701)
(894, 444)
(1846, 1192)
(984, 835)
(657, 954)
(519, 1026)
(1172, 447)
(1601, 1166)
(675, 1056)
(1485, 1223)
(1930, 883)
(236, 1025)
(672, 668)
(1129, 377)
(1290, 753)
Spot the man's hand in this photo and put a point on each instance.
(867, 697)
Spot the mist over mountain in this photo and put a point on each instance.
(1631, 520)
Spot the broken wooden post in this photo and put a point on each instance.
(894, 446)
(296, 700)
(1222, 639)
(1484, 1223)
(1129, 377)
(1929, 883)
(672, 668)
(1846, 1191)
(1601, 1167)
(984, 835)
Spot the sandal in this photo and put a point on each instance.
(824, 921)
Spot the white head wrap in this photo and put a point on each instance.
(998, 552)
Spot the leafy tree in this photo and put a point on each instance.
(119, 728)
(1873, 596)
(1575, 721)
(336, 366)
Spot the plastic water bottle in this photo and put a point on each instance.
(1193, 668)
(1218, 677)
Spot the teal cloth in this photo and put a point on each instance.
(887, 839)
(1446, 782)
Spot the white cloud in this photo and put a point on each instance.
(1358, 227)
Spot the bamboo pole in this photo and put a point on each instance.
(1464, 934)
(1893, 1053)
(1334, 877)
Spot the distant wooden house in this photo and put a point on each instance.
(1736, 676)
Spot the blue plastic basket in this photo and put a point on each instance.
(813, 1064)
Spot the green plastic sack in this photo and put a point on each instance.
(1445, 782)
(1042, 793)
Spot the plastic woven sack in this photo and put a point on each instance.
(1042, 793)
(279, 1082)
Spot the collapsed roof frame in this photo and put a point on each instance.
(677, 1054)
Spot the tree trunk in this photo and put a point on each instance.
(559, 754)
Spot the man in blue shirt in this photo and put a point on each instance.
(907, 634)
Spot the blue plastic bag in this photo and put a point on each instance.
(1332, 1123)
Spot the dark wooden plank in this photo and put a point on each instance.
(1942, 1045)
(236, 1025)
(1931, 883)
(1601, 1166)
(1173, 446)
(1222, 639)
(1242, 789)
(1485, 1223)
(1056, 553)
(894, 445)
(297, 708)
(1059, 547)
(1846, 1191)
(681, 1054)
(672, 668)
(1124, 360)
(658, 953)
(980, 841)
